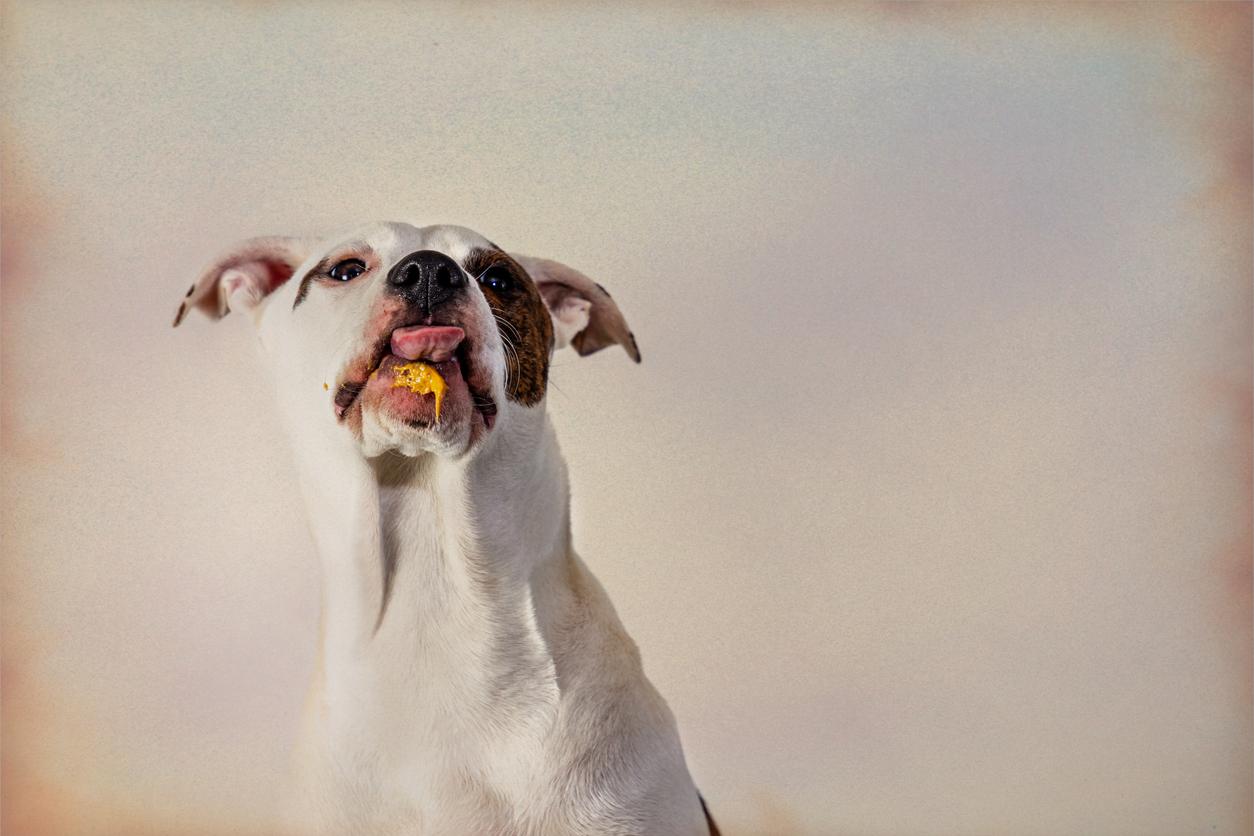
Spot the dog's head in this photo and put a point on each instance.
(343, 320)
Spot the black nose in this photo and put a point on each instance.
(426, 278)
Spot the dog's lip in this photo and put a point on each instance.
(346, 396)
(411, 335)
(347, 390)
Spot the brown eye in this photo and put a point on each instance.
(347, 270)
(498, 278)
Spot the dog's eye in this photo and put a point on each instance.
(498, 278)
(348, 269)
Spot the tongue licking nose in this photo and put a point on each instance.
(432, 343)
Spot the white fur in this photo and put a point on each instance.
(570, 317)
(498, 692)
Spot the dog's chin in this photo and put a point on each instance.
(397, 418)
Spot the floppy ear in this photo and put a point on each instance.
(244, 276)
(584, 315)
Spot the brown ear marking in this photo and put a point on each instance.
(606, 325)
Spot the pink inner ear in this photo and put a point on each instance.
(245, 285)
(276, 273)
(244, 276)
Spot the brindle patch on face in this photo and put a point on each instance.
(524, 325)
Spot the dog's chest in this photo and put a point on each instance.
(456, 723)
(409, 765)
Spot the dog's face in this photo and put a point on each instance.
(341, 321)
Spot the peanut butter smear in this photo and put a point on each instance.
(420, 378)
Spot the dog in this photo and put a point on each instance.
(473, 677)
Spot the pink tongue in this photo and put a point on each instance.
(435, 343)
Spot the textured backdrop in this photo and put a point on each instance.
(929, 505)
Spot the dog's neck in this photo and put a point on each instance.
(440, 567)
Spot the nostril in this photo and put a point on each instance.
(406, 274)
(446, 277)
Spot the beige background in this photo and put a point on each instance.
(929, 506)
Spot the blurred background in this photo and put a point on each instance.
(929, 506)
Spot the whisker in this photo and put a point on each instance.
(510, 350)
(505, 323)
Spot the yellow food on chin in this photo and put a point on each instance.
(420, 378)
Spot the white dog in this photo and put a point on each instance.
(473, 677)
